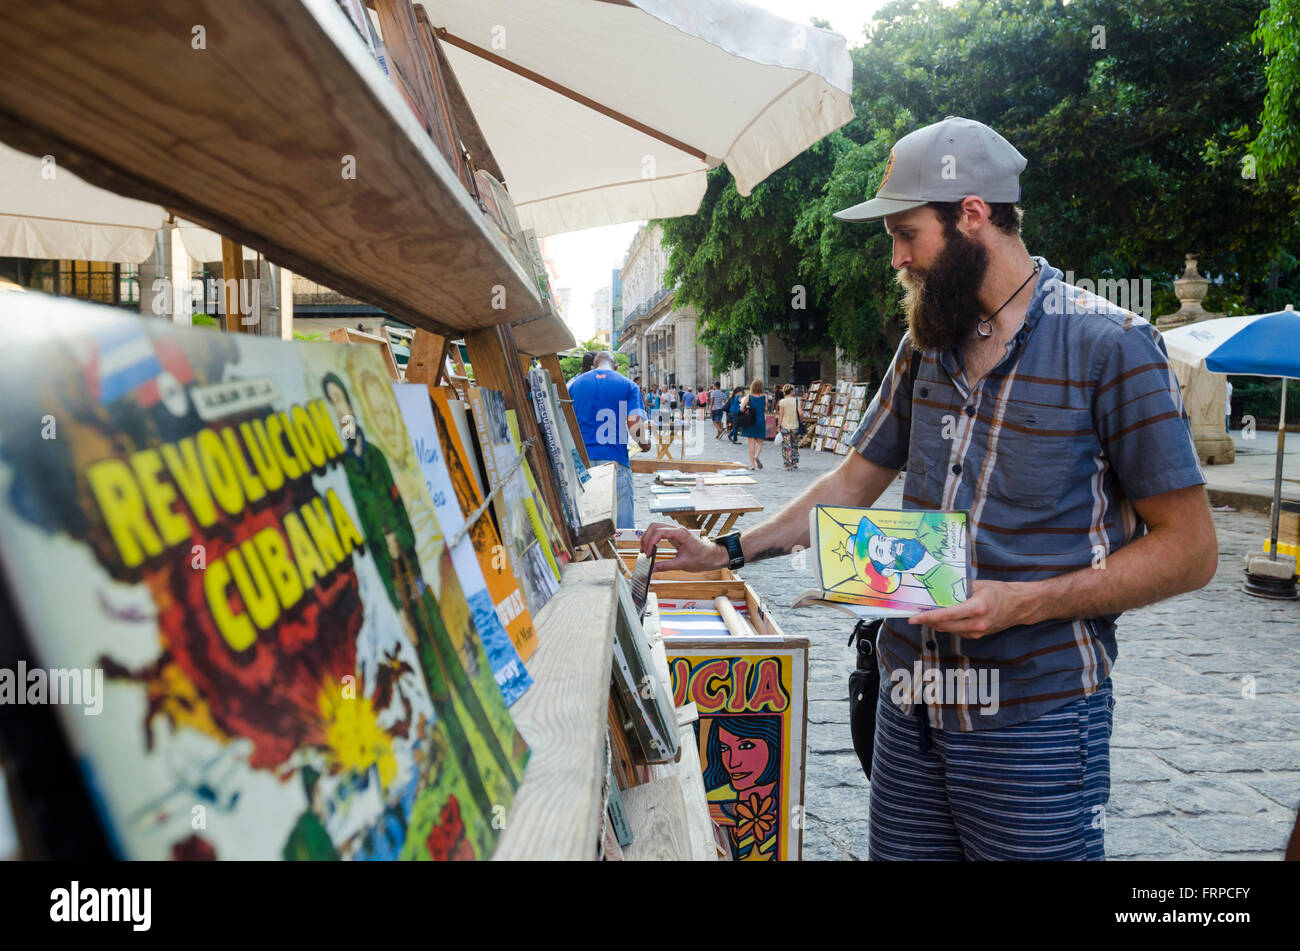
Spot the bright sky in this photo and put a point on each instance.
(584, 259)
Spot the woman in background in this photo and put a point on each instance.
(788, 418)
(757, 432)
(733, 408)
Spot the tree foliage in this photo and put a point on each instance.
(735, 260)
(1137, 118)
(571, 365)
(1277, 147)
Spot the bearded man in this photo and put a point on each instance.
(1056, 421)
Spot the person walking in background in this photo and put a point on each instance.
(1227, 408)
(652, 404)
(788, 417)
(688, 405)
(717, 407)
(733, 410)
(756, 432)
(609, 408)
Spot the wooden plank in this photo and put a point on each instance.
(281, 133)
(456, 363)
(690, 780)
(428, 361)
(544, 333)
(463, 120)
(643, 464)
(686, 772)
(232, 269)
(598, 504)
(397, 27)
(657, 814)
(556, 812)
(551, 364)
(487, 357)
(382, 344)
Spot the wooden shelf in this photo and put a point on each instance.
(598, 504)
(544, 335)
(656, 814)
(556, 812)
(669, 815)
(251, 136)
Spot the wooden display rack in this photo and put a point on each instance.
(297, 94)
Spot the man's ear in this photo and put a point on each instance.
(974, 214)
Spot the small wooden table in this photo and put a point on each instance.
(666, 435)
(709, 506)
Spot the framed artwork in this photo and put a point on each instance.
(752, 698)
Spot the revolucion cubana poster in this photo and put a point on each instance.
(222, 524)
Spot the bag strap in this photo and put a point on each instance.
(865, 632)
(911, 382)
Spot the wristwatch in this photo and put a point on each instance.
(731, 542)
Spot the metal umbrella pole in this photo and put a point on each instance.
(1277, 476)
(1269, 578)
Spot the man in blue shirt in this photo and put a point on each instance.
(608, 406)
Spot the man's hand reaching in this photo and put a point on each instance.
(693, 552)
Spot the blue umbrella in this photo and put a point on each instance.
(1254, 345)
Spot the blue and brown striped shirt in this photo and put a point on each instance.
(1081, 416)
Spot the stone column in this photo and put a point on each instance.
(1204, 393)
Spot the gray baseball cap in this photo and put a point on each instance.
(945, 161)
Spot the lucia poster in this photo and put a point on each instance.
(753, 710)
(223, 524)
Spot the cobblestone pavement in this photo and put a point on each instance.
(1205, 756)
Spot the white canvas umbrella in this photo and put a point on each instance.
(605, 111)
(1251, 345)
(48, 212)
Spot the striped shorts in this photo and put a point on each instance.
(1036, 790)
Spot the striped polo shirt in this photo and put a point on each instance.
(1081, 416)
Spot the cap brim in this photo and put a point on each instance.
(878, 208)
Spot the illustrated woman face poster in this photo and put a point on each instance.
(742, 773)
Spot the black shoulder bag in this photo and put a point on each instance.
(747, 416)
(864, 682)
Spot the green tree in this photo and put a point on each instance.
(736, 260)
(1277, 147)
(570, 365)
(1137, 118)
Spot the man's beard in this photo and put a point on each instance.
(942, 301)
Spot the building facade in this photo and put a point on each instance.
(658, 336)
(661, 337)
(771, 361)
(601, 307)
(616, 303)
